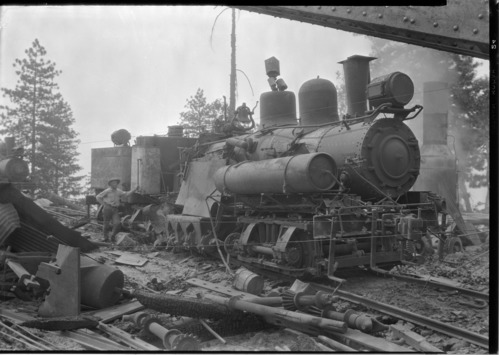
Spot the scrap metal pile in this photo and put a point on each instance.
(95, 305)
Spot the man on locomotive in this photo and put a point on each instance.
(110, 199)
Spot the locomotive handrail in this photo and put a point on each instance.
(348, 121)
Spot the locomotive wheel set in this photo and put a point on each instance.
(312, 198)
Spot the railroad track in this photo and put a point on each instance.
(418, 319)
(421, 320)
(428, 281)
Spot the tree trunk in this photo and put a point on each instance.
(232, 99)
(33, 139)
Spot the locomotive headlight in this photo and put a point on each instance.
(395, 88)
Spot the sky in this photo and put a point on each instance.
(134, 67)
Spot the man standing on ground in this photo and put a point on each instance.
(110, 199)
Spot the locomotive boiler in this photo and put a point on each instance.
(314, 194)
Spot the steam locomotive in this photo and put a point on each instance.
(314, 195)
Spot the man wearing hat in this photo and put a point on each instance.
(110, 199)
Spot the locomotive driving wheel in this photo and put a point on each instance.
(293, 254)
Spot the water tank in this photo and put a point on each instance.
(318, 102)
(277, 108)
(108, 163)
(146, 169)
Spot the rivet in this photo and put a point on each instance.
(435, 24)
(405, 19)
(348, 11)
(455, 28)
(480, 16)
(364, 13)
(333, 8)
(412, 20)
(380, 15)
(475, 31)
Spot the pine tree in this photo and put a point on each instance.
(58, 151)
(200, 115)
(41, 120)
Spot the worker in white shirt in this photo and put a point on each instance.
(110, 199)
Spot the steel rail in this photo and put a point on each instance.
(418, 319)
(432, 283)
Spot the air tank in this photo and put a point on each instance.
(277, 108)
(318, 102)
(312, 172)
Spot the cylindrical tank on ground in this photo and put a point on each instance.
(277, 108)
(100, 284)
(248, 281)
(14, 169)
(318, 102)
(312, 172)
(357, 76)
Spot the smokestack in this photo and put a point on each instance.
(436, 106)
(357, 76)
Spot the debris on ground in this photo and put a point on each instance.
(156, 299)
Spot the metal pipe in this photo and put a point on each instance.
(336, 345)
(282, 317)
(172, 339)
(450, 330)
(262, 250)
